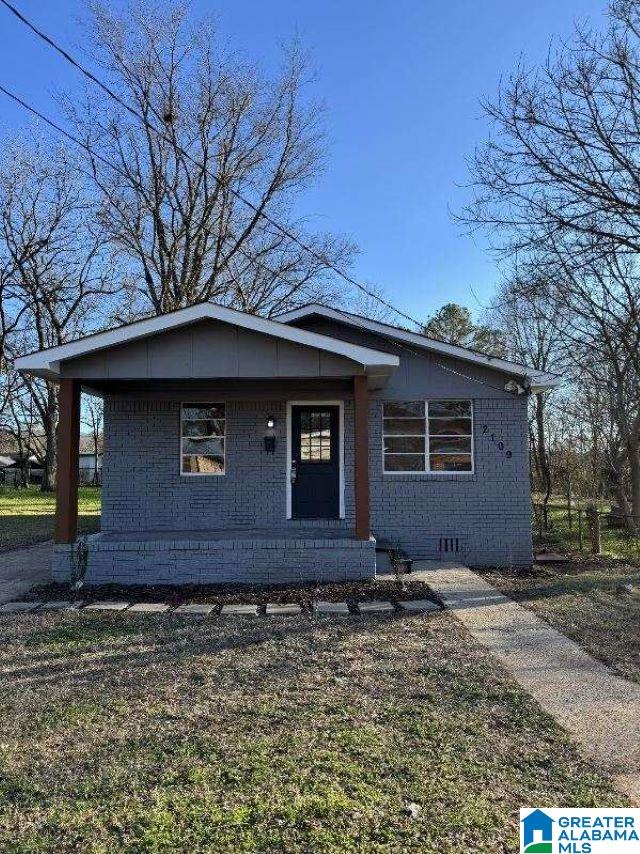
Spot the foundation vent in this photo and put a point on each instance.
(449, 545)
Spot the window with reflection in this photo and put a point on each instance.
(315, 437)
(202, 438)
(428, 436)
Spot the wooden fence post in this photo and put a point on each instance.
(580, 539)
(593, 520)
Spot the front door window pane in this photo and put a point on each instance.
(315, 437)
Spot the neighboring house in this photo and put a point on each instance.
(238, 448)
(12, 472)
(87, 467)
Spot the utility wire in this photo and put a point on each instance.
(255, 208)
(83, 145)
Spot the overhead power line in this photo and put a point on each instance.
(159, 132)
(83, 145)
(72, 138)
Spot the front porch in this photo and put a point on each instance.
(236, 449)
(161, 525)
(256, 556)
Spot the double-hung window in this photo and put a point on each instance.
(428, 436)
(202, 438)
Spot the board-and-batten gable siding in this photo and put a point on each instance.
(420, 376)
(208, 349)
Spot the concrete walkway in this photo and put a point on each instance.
(600, 710)
(21, 569)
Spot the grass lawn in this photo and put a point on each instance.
(580, 599)
(162, 734)
(26, 515)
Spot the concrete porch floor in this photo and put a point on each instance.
(295, 533)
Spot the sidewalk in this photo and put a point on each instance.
(21, 569)
(600, 710)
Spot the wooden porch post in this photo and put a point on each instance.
(361, 429)
(66, 528)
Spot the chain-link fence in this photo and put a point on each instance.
(589, 527)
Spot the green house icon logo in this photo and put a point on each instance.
(537, 833)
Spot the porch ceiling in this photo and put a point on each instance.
(267, 389)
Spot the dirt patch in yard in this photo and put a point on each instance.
(223, 594)
(595, 602)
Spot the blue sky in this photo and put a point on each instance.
(401, 80)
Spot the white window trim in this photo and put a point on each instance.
(427, 472)
(205, 403)
(340, 405)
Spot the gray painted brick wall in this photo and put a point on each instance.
(488, 511)
(144, 490)
(193, 561)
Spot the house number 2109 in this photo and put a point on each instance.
(493, 438)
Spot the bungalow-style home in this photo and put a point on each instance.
(241, 449)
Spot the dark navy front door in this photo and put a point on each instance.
(315, 463)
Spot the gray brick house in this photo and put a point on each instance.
(243, 449)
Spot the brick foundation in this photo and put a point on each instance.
(225, 561)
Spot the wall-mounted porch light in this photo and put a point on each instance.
(270, 436)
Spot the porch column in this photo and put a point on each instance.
(361, 461)
(66, 528)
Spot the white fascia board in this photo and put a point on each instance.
(539, 381)
(47, 362)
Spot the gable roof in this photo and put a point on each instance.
(538, 380)
(47, 362)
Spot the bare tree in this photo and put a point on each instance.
(532, 338)
(93, 418)
(557, 188)
(212, 129)
(593, 309)
(562, 161)
(58, 283)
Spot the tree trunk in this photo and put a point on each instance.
(95, 479)
(594, 529)
(543, 457)
(50, 424)
(634, 477)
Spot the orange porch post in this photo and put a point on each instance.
(66, 527)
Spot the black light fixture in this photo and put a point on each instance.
(270, 436)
